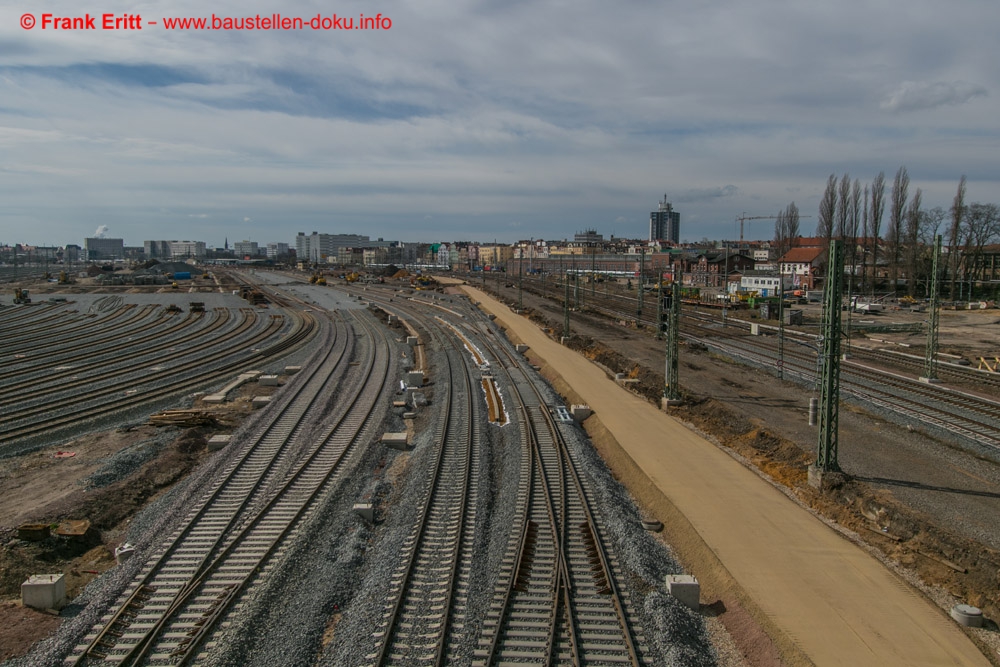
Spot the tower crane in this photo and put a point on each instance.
(745, 217)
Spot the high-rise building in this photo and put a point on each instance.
(275, 249)
(665, 224)
(246, 248)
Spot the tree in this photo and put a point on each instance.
(865, 234)
(786, 229)
(878, 208)
(827, 211)
(894, 234)
(981, 227)
(957, 211)
(843, 206)
(913, 246)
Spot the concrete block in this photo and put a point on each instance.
(214, 398)
(292, 370)
(399, 404)
(365, 510)
(521, 347)
(391, 319)
(395, 440)
(685, 588)
(44, 591)
(414, 378)
(409, 415)
(417, 399)
(217, 442)
(412, 341)
(754, 329)
(260, 402)
(268, 380)
(580, 412)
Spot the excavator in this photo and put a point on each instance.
(21, 295)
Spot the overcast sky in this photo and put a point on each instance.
(481, 120)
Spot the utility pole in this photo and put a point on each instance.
(671, 389)
(593, 268)
(642, 280)
(520, 278)
(781, 328)
(725, 288)
(565, 301)
(659, 307)
(930, 362)
(576, 285)
(829, 397)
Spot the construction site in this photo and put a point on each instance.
(602, 490)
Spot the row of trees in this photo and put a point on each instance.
(849, 210)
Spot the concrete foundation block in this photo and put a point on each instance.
(292, 370)
(268, 380)
(414, 379)
(44, 591)
(409, 415)
(214, 398)
(667, 402)
(399, 404)
(217, 442)
(580, 412)
(417, 399)
(395, 440)
(391, 319)
(685, 588)
(412, 341)
(366, 511)
(260, 402)
(521, 347)
(823, 480)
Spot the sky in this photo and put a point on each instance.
(472, 120)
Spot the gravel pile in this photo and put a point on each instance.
(128, 460)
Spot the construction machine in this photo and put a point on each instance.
(21, 295)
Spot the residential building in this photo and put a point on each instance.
(801, 264)
(665, 223)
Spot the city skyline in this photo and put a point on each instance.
(480, 121)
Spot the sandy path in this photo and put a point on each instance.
(833, 601)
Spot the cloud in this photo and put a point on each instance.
(101, 232)
(200, 216)
(913, 96)
(706, 194)
(245, 219)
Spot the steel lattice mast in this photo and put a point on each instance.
(671, 389)
(930, 362)
(829, 397)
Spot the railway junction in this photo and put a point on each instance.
(418, 494)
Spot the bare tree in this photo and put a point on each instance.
(786, 229)
(843, 206)
(827, 211)
(913, 246)
(957, 211)
(894, 234)
(981, 227)
(878, 208)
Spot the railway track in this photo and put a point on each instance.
(429, 588)
(62, 368)
(173, 608)
(556, 600)
(623, 306)
(19, 429)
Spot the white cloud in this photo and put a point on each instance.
(913, 96)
